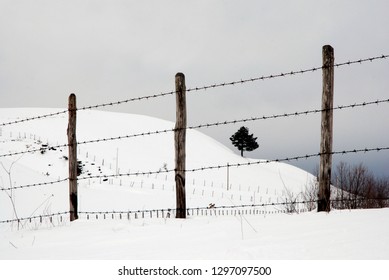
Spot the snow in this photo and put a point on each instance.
(358, 234)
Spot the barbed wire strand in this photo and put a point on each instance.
(285, 74)
(35, 118)
(233, 206)
(287, 159)
(35, 217)
(208, 125)
(216, 85)
(293, 114)
(35, 185)
(34, 150)
(237, 82)
(207, 208)
(162, 171)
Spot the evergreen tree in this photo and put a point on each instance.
(244, 141)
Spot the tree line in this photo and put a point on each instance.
(357, 187)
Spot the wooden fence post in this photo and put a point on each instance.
(72, 141)
(179, 142)
(326, 131)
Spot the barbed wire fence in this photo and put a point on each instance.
(207, 125)
(261, 209)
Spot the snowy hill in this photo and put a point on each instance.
(265, 183)
(223, 237)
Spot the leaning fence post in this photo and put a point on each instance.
(72, 143)
(179, 140)
(326, 130)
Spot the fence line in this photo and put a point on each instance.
(243, 209)
(239, 82)
(252, 205)
(216, 85)
(208, 125)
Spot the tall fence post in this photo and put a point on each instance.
(72, 142)
(326, 130)
(179, 142)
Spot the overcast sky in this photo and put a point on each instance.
(106, 51)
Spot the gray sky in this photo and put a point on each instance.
(112, 50)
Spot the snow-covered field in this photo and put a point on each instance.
(359, 234)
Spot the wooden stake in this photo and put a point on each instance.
(326, 130)
(72, 141)
(179, 140)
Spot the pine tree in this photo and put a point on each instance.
(244, 141)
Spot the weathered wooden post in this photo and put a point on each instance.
(326, 131)
(72, 142)
(179, 142)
